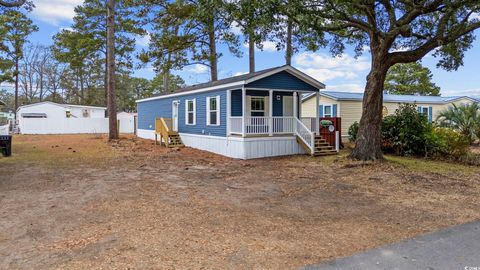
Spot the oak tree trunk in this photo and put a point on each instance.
(111, 102)
(369, 139)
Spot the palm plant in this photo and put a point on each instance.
(465, 119)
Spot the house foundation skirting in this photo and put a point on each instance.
(238, 147)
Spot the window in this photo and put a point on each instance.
(257, 104)
(425, 111)
(327, 111)
(190, 112)
(213, 111)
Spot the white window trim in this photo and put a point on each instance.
(331, 110)
(208, 111)
(257, 98)
(425, 107)
(194, 112)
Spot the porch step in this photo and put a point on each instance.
(174, 141)
(169, 137)
(325, 153)
(322, 148)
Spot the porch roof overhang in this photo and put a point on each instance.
(241, 81)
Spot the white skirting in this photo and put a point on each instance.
(238, 147)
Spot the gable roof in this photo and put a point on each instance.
(61, 105)
(239, 81)
(355, 96)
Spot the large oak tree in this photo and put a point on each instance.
(396, 31)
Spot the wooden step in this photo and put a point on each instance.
(325, 153)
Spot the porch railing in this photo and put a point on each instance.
(305, 134)
(260, 125)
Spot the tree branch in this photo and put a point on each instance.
(437, 41)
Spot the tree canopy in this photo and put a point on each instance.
(410, 79)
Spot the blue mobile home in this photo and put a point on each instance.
(248, 116)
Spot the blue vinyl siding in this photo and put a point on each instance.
(236, 103)
(277, 104)
(149, 110)
(282, 80)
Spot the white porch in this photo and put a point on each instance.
(258, 119)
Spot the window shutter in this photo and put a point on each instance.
(218, 110)
(430, 114)
(419, 109)
(320, 110)
(208, 110)
(334, 110)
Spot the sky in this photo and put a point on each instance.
(339, 74)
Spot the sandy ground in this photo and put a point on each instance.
(78, 202)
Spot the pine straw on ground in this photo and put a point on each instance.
(78, 202)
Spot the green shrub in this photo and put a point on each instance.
(353, 131)
(447, 142)
(404, 132)
(409, 133)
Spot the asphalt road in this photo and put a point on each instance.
(450, 249)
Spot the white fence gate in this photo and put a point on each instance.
(71, 125)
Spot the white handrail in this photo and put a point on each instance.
(305, 134)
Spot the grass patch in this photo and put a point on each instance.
(432, 166)
(60, 150)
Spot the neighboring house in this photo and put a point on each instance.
(7, 114)
(348, 105)
(248, 116)
(51, 118)
(47, 109)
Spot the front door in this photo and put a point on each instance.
(175, 115)
(287, 106)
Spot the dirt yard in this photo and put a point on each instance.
(77, 202)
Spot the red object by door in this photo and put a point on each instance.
(328, 133)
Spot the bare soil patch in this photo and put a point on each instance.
(78, 202)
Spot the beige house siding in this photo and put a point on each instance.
(351, 111)
(308, 106)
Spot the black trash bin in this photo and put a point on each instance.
(6, 145)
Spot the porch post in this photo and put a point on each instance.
(317, 115)
(244, 100)
(295, 103)
(229, 111)
(300, 106)
(270, 112)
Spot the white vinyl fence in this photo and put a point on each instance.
(71, 125)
